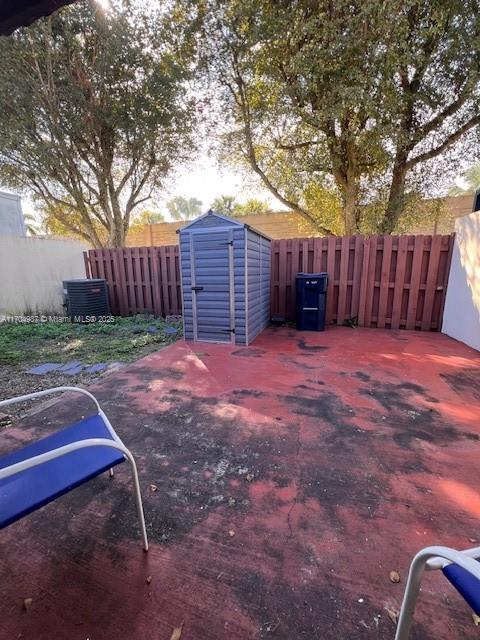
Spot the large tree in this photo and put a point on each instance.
(431, 87)
(95, 111)
(300, 110)
(337, 97)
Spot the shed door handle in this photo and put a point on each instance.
(197, 288)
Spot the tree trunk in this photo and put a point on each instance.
(116, 237)
(348, 186)
(350, 207)
(396, 197)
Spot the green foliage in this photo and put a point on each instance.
(30, 224)
(325, 205)
(224, 205)
(184, 208)
(252, 207)
(472, 178)
(228, 206)
(146, 217)
(342, 95)
(125, 339)
(95, 111)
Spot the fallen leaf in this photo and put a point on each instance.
(231, 533)
(249, 477)
(393, 615)
(476, 619)
(394, 576)
(153, 487)
(27, 603)
(177, 633)
(148, 579)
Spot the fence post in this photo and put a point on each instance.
(362, 302)
(86, 260)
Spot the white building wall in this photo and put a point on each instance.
(11, 215)
(32, 270)
(461, 318)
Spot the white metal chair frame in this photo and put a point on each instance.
(431, 559)
(115, 443)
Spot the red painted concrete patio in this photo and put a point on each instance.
(282, 483)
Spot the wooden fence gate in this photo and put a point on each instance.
(397, 282)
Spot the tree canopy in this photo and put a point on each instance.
(342, 99)
(342, 110)
(471, 178)
(146, 217)
(95, 111)
(228, 206)
(184, 208)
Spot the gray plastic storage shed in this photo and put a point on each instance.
(225, 268)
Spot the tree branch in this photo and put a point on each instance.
(433, 153)
(251, 156)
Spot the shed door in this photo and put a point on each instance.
(212, 286)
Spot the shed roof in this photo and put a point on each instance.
(234, 223)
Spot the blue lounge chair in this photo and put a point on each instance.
(40, 472)
(461, 568)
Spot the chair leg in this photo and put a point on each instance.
(410, 597)
(110, 473)
(138, 500)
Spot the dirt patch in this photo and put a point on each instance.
(364, 377)
(303, 366)
(465, 381)
(397, 396)
(192, 457)
(337, 488)
(248, 393)
(249, 352)
(196, 462)
(326, 406)
(287, 610)
(310, 347)
(410, 417)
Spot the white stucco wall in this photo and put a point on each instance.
(461, 318)
(32, 271)
(11, 215)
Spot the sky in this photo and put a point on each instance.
(205, 180)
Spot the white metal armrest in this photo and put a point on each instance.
(45, 392)
(440, 562)
(439, 557)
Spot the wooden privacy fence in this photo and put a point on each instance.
(140, 280)
(397, 282)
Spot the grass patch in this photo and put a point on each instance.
(126, 339)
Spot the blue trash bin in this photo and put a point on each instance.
(311, 291)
